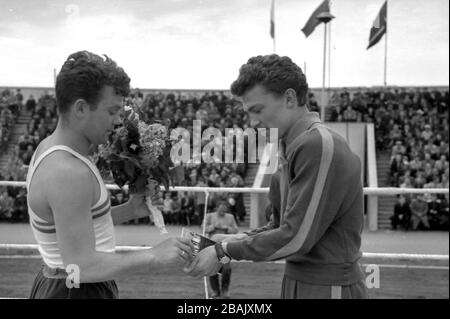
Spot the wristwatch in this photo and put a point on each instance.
(223, 258)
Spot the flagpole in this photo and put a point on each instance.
(322, 108)
(329, 59)
(385, 50)
(272, 18)
(324, 17)
(385, 58)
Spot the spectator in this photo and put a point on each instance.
(221, 222)
(427, 133)
(118, 199)
(20, 213)
(432, 149)
(28, 154)
(416, 165)
(402, 214)
(419, 210)
(397, 169)
(6, 206)
(420, 180)
(175, 207)
(441, 164)
(24, 141)
(200, 199)
(350, 114)
(239, 207)
(187, 209)
(167, 208)
(30, 104)
(398, 148)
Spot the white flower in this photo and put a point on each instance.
(133, 147)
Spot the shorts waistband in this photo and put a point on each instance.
(325, 274)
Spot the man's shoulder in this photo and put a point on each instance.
(65, 162)
(311, 142)
(60, 167)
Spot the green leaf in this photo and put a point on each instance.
(129, 169)
(139, 185)
(135, 161)
(123, 143)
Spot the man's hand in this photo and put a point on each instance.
(228, 237)
(173, 252)
(205, 263)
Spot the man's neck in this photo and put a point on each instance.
(296, 115)
(64, 134)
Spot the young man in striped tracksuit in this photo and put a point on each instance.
(318, 230)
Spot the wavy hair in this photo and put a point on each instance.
(83, 76)
(276, 74)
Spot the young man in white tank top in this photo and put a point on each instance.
(70, 212)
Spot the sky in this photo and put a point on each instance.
(200, 44)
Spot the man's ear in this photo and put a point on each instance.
(81, 108)
(291, 98)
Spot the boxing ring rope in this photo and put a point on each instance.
(376, 191)
(120, 249)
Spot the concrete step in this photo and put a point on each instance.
(24, 121)
(249, 179)
(385, 203)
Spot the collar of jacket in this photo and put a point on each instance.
(298, 128)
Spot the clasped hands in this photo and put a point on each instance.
(178, 252)
(206, 262)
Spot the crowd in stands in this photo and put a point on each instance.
(173, 110)
(12, 200)
(412, 125)
(10, 104)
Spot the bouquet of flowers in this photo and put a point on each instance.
(138, 155)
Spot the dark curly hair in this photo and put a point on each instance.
(83, 75)
(276, 74)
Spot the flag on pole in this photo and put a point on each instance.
(379, 26)
(313, 22)
(272, 20)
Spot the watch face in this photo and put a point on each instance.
(225, 260)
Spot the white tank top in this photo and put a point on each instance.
(45, 232)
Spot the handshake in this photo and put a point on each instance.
(197, 255)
